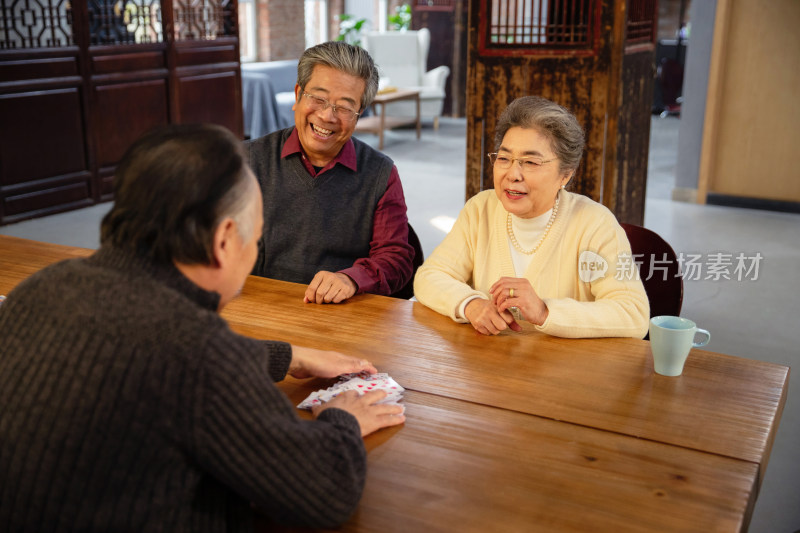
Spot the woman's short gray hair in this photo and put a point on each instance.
(552, 120)
(344, 57)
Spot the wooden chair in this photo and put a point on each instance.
(659, 270)
(408, 290)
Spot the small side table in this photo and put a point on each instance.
(378, 124)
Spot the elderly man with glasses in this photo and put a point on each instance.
(334, 210)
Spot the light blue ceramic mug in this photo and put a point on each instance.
(671, 339)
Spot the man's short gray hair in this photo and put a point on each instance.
(172, 188)
(343, 57)
(237, 205)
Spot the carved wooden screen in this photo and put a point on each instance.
(35, 24)
(641, 26)
(48, 23)
(81, 79)
(528, 26)
(124, 22)
(202, 19)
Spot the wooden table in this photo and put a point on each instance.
(524, 432)
(378, 124)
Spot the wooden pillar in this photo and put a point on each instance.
(596, 58)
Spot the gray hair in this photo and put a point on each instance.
(236, 204)
(344, 57)
(172, 188)
(552, 120)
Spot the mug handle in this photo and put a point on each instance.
(704, 341)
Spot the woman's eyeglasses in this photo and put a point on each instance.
(529, 165)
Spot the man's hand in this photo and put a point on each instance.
(309, 362)
(329, 287)
(486, 319)
(371, 415)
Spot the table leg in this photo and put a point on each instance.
(419, 123)
(382, 125)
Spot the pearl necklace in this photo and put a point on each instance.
(519, 248)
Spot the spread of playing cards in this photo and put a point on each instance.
(360, 383)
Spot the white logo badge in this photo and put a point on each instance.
(591, 266)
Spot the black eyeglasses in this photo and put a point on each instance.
(319, 103)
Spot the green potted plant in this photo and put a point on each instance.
(401, 20)
(350, 29)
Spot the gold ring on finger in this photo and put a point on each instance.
(511, 292)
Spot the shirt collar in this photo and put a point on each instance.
(346, 157)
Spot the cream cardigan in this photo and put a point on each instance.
(476, 253)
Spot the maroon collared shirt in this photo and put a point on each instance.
(389, 265)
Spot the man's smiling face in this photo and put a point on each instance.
(322, 134)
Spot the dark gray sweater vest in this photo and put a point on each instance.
(313, 224)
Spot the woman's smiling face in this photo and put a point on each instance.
(531, 193)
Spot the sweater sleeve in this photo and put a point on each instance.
(445, 279)
(249, 437)
(619, 307)
(389, 265)
(280, 357)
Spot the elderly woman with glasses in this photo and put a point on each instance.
(530, 254)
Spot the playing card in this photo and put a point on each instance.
(361, 383)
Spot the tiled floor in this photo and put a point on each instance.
(754, 318)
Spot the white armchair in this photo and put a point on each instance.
(402, 59)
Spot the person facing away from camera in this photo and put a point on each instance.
(127, 403)
(530, 253)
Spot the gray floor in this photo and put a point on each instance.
(754, 318)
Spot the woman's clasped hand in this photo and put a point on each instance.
(518, 292)
(492, 316)
(486, 319)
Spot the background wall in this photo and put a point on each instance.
(695, 86)
(739, 117)
(281, 29)
(751, 135)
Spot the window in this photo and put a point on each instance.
(316, 12)
(247, 31)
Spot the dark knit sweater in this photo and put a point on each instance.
(314, 223)
(127, 404)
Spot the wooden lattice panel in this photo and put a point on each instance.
(546, 26)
